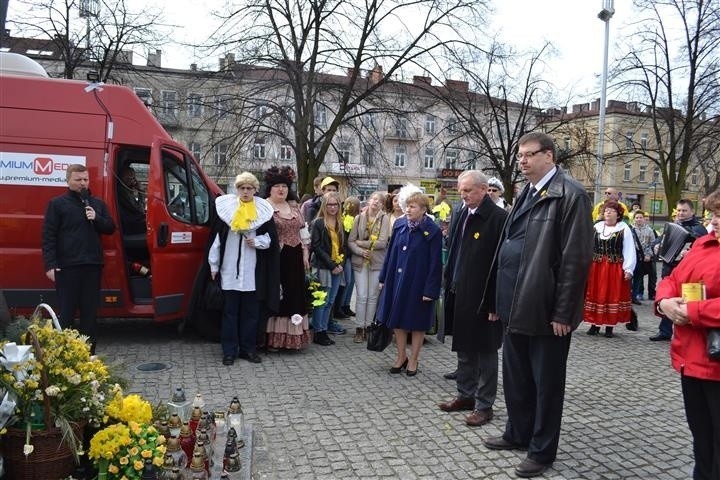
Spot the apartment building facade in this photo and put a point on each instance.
(240, 118)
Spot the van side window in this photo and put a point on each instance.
(186, 195)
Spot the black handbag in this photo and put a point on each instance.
(213, 298)
(378, 336)
(713, 343)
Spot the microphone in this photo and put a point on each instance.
(85, 197)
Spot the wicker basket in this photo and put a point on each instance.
(52, 457)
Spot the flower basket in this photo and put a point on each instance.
(51, 458)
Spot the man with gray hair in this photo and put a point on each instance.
(473, 236)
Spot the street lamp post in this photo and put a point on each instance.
(653, 204)
(605, 15)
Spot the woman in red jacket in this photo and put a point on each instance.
(692, 318)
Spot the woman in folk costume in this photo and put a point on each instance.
(607, 296)
(290, 327)
(245, 254)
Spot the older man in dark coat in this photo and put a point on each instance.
(477, 334)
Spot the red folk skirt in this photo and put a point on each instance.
(607, 296)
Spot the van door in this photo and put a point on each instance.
(178, 215)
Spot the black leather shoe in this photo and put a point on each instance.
(251, 357)
(412, 373)
(228, 360)
(529, 468)
(499, 443)
(348, 311)
(321, 338)
(635, 301)
(399, 369)
(594, 330)
(660, 338)
(340, 315)
(451, 375)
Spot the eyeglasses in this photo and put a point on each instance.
(492, 190)
(520, 155)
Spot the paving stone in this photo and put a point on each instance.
(335, 412)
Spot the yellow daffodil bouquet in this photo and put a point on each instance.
(315, 292)
(120, 449)
(62, 374)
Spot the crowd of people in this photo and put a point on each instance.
(509, 277)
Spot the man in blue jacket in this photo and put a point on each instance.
(72, 250)
(542, 263)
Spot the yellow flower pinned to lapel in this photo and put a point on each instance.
(543, 193)
(476, 235)
(426, 233)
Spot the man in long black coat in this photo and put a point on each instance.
(477, 335)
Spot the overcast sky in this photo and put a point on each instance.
(571, 26)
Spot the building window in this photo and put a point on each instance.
(261, 112)
(368, 121)
(196, 149)
(656, 175)
(223, 105)
(144, 94)
(566, 144)
(453, 126)
(694, 179)
(642, 174)
(429, 124)
(629, 143)
(627, 172)
(369, 155)
(400, 155)
(259, 149)
(320, 115)
(472, 160)
(644, 140)
(220, 152)
(194, 105)
(451, 158)
(286, 152)
(401, 127)
(344, 152)
(169, 102)
(429, 161)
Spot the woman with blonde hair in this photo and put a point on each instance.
(368, 240)
(244, 253)
(410, 280)
(327, 239)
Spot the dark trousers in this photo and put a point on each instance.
(642, 269)
(702, 408)
(239, 322)
(534, 385)
(78, 288)
(477, 377)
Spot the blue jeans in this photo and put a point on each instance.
(349, 276)
(241, 312)
(321, 315)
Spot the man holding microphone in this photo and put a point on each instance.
(72, 250)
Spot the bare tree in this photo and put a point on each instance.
(673, 67)
(91, 32)
(310, 70)
(500, 105)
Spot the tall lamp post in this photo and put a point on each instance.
(608, 10)
(653, 204)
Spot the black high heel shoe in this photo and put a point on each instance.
(412, 373)
(400, 368)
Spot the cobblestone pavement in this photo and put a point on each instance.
(335, 412)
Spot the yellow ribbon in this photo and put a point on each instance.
(245, 214)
